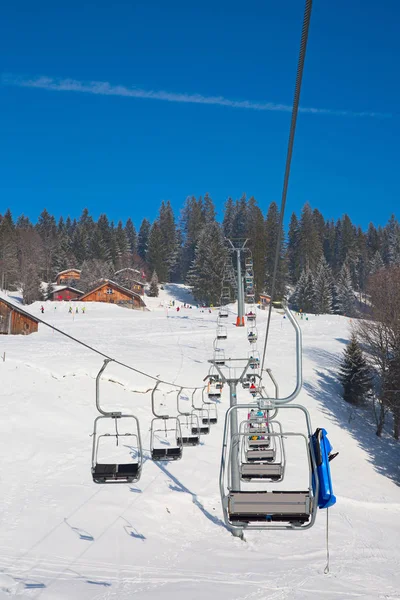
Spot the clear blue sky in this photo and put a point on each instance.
(111, 151)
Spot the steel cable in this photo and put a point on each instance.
(295, 110)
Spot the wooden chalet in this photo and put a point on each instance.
(113, 293)
(68, 276)
(131, 279)
(15, 321)
(265, 299)
(65, 292)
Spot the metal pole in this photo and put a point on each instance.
(240, 317)
(235, 474)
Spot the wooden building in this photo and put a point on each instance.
(68, 276)
(130, 279)
(15, 321)
(265, 299)
(113, 293)
(65, 292)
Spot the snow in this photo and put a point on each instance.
(63, 537)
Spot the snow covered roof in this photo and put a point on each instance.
(117, 285)
(58, 288)
(68, 271)
(127, 269)
(17, 307)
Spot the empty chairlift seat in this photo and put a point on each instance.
(255, 506)
(166, 453)
(222, 333)
(106, 473)
(113, 462)
(166, 439)
(269, 471)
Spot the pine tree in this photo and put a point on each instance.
(192, 225)
(323, 288)
(346, 239)
(143, 239)
(153, 290)
(8, 252)
(208, 209)
(344, 293)
(271, 234)
(206, 273)
(240, 218)
(354, 373)
(310, 246)
(227, 223)
(166, 221)
(156, 252)
(47, 229)
(293, 249)
(376, 263)
(304, 294)
(131, 236)
(393, 241)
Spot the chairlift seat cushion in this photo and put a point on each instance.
(201, 430)
(292, 507)
(166, 453)
(273, 471)
(115, 472)
(260, 455)
(259, 443)
(190, 440)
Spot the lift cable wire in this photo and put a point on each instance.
(114, 360)
(295, 110)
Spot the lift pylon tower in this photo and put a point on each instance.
(239, 246)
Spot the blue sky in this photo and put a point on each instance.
(156, 128)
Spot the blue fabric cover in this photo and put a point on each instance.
(322, 449)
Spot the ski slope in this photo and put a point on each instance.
(62, 537)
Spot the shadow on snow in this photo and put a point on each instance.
(383, 453)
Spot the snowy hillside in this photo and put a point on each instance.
(62, 537)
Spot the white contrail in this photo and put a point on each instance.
(103, 88)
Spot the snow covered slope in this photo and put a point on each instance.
(63, 537)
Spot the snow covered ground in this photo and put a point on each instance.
(64, 537)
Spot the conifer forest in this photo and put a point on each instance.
(324, 265)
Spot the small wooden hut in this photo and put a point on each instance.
(68, 276)
(14, 321)
(265, 299)
(65, 292)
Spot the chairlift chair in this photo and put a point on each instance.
(226, 293)
(252, 336)
(251, 316)
(204, 427)
(254, 360)
(223, 313)
(167, 431)
(165, 434)
(189, 423)
(219, 357)
(267, 466)
(113, 472)
(214, 390)
(262, 509)
(222, 333)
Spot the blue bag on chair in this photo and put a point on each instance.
(322, 452)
